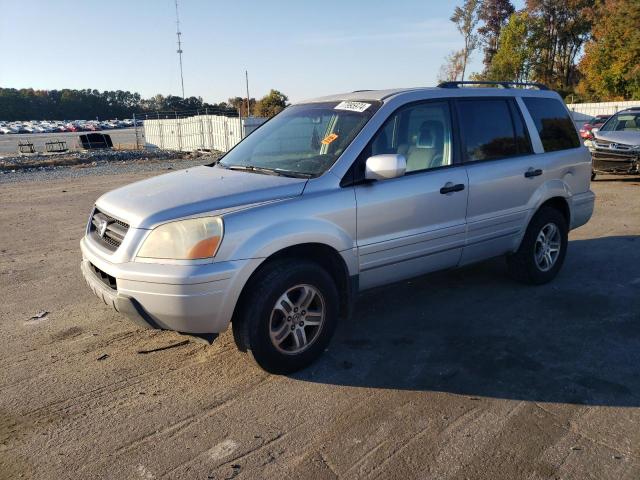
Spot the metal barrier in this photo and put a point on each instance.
(57, 146)
(193, 131)
(26, 147)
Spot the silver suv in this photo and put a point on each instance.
(337, 195)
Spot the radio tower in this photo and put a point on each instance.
(179, 33)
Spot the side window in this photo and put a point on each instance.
(553, 123)
(420, 132)
(490, 130)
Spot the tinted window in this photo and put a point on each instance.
(420, 132)
(553, 123)
(490, 131)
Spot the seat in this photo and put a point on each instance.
(429, 147)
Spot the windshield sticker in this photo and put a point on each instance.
(353, 106)
(329, 138)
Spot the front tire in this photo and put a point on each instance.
(543, 248)
(288, 316)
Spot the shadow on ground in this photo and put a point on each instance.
(476, 332)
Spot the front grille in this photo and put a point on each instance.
(618, 147)
(107, 279)
(110, 237)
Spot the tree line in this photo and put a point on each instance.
(29, 104)
(589, 49)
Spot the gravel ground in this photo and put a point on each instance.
(458, 375)
(103, 167)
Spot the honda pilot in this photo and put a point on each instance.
(337, 195)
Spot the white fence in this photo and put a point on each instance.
(200, 132)
(582, 112)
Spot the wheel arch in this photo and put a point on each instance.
(325, 256)
(558, 202)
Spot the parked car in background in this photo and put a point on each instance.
(615, 147)
(595, 122)
(337, 195)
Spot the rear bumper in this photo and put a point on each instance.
(196, 299)
(582, 206)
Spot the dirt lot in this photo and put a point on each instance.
(461, 374)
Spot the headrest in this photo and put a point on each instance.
(431, 134)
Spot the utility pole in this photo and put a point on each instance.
(246, 77)
(179, 51)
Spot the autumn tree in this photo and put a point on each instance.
(494, 15)
(559, 30)
(240, 105)
(611, 62)
(466, 20)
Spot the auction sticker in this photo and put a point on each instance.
(329, 138)
(353, 106)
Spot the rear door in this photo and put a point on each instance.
(503, 174)
(413, 224)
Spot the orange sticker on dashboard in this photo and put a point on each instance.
(329, 138)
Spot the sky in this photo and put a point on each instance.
(302, 48)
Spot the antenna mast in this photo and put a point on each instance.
(179, 51)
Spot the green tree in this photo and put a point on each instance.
(512, 60)
(271, 104)
(466, 19)
(611, 62)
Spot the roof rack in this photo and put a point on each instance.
(457, 84)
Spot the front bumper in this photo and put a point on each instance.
(615, 161)
(196, 299)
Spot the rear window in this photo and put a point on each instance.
(491, 129)
(553, 123)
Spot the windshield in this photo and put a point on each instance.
(303, 140)
(623, 122)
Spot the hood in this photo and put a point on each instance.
(193, 191)
(626, 137)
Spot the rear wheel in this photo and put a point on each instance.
(289, 314)
(543, 248)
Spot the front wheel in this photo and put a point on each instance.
(289, 314)
(543, 248)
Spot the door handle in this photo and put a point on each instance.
(533, 173)
(450, 188)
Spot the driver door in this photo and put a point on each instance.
(414, 224)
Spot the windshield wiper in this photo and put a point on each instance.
(267, 171)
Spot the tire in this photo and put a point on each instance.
(258, 318)
(527, 265)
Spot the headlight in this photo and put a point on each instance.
(184, 240)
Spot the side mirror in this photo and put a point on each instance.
(594, 130)
(382, 167)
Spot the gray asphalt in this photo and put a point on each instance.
(9, 142)
(463, 374)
